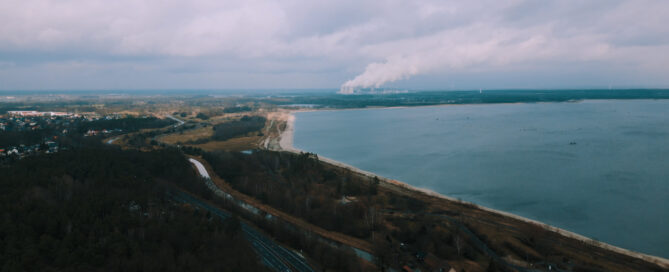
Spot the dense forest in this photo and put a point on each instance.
(103, 209)
(243, 126)
(296, 184)
(338, 200)
(13, 138)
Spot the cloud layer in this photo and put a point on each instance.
(305, 44)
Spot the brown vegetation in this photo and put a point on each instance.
(402, 225)
(187, 136)
(235, 144)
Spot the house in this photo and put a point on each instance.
(38, 113)
(58, 114)
(24, 113)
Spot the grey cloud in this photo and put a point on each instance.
(327, 43)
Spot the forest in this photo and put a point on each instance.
(340, 201)
(103, 209)
(12, 138)
(236, 128)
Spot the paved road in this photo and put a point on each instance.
(200, 168)
(175, 119)
(272, 254)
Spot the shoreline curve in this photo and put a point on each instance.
(285, 143)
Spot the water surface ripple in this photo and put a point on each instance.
(597, 168)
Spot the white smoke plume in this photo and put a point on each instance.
(376, 74)
(473, 48)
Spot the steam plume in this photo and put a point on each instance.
(463, 49)
(377, 74)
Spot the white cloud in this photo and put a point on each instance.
(380, 41)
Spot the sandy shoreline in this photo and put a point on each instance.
(285, 143)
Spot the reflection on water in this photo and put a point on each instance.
(598, 168)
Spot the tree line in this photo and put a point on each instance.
(236, 128)
(339, 200)
(127, 124)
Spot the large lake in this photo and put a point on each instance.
(597, 168)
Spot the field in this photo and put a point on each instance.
(235, 144)
(187, 136)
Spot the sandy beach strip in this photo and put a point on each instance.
(285, 143)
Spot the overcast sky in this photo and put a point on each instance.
(216, 44)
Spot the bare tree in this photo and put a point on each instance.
(457, 242)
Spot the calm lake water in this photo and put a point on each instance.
(597, 168)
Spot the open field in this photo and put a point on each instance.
(235, 144)
(203, 134)
(188, 135)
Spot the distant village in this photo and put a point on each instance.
(57, 124)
